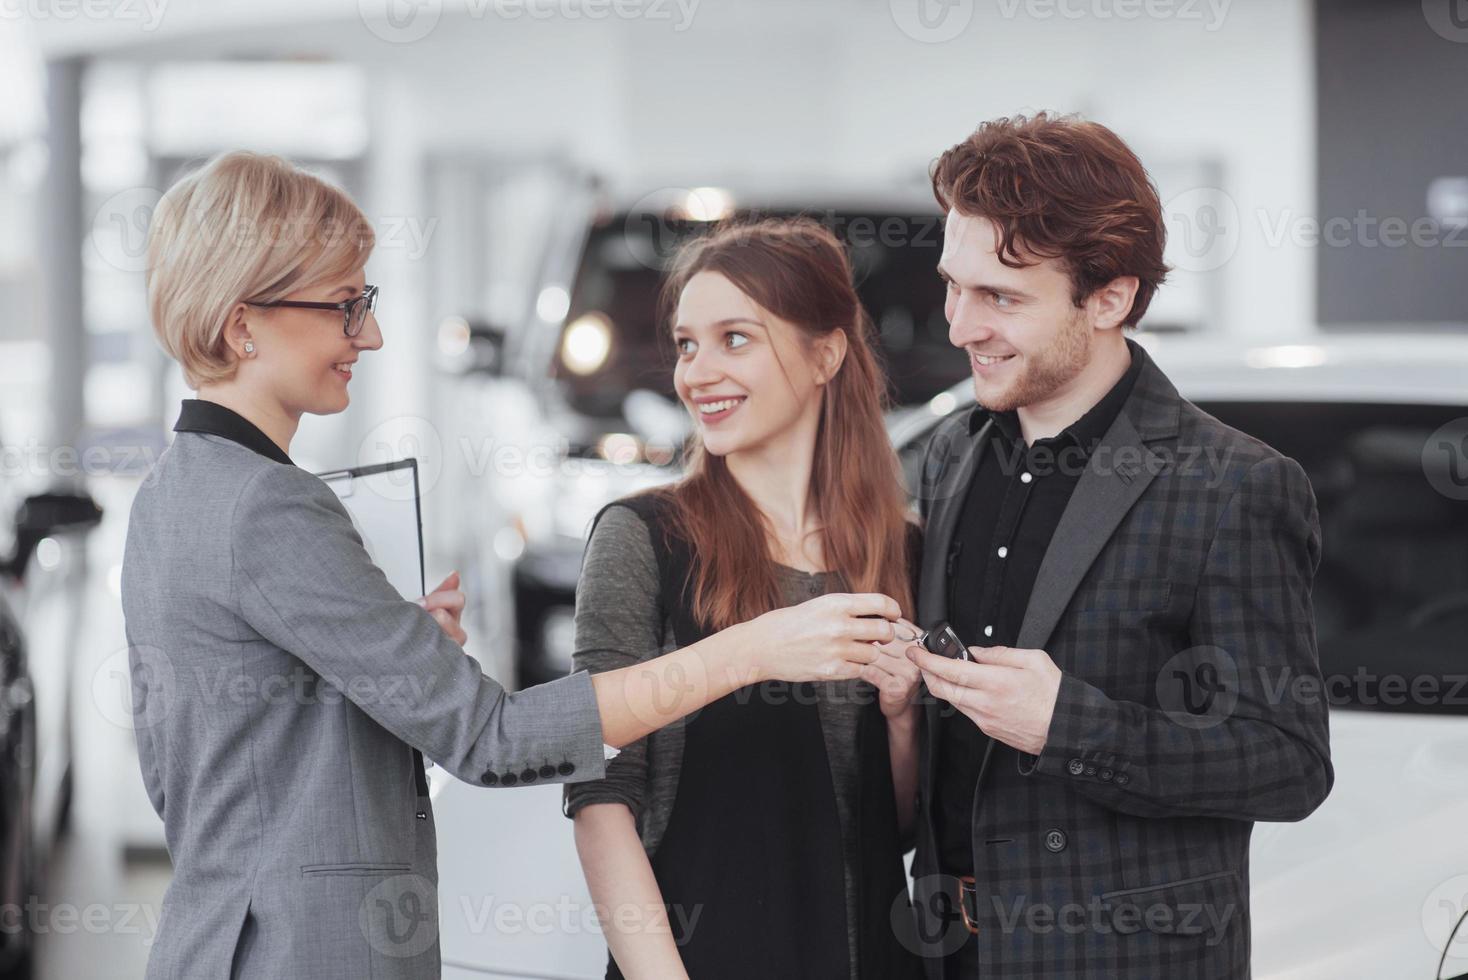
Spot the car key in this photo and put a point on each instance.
(943, 641)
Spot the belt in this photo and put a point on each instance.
(968, 903)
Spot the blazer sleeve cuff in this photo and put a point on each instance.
(1081, 744)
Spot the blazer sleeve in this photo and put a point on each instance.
(1250, 754)
(305, 583)
(619, 622)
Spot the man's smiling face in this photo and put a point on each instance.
(1025, 339)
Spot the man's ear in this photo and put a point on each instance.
(1111, 304)
(830, 353)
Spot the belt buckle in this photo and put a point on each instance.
(967, 888)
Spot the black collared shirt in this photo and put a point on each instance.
(1014, 502)
(198, 415)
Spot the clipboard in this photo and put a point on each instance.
(382, 501)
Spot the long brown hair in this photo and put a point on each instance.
(798, 271)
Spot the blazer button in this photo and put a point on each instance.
(1106, 775)
(566, 768)
(547, 772)
(1122, 779)
(1055, 841)
(509, 779)
(489, 779)
(1076, 767)
(1090, 770)
(528, 776)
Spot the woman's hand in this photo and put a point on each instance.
(895, 677)
(446, 605)
(829, 638)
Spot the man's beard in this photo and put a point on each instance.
(1047, 370)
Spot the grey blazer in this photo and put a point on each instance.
(280, 690)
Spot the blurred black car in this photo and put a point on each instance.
(24, 841)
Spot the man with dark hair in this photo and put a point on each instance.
(1135, 577)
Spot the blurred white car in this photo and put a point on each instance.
(1372, 884)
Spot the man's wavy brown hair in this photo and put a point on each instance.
(1064, 188)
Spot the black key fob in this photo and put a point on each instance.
(944, 642)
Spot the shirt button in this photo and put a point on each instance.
(1025, 477)
(1055, 841)
(988, 631)
(1003, 552)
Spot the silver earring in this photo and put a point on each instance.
(249, 347)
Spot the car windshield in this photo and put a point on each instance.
(894, 257)
(1391, 594)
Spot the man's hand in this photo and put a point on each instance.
(1010, 694)
(446, 605)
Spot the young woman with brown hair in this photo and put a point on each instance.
(762, 837)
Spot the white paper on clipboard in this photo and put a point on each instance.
(382, 500)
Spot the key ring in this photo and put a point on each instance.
(917, 637)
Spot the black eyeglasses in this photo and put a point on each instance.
(354, 311)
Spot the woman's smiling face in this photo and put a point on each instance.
(744, 374)
(303, 356)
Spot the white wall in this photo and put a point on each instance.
(821, 90)
(834, 89)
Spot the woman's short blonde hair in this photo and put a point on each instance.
(245, 227)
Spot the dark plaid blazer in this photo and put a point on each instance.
(1175, 598)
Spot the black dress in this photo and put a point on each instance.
(750, 865)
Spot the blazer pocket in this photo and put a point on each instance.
(355, 869)
(1133, 595)
(1203, 905)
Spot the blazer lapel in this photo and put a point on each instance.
(947, 487)
(952, 468)
(1120, 471)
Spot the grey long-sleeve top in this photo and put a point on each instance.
(620, 622)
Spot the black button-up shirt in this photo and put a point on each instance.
(1014, 502)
